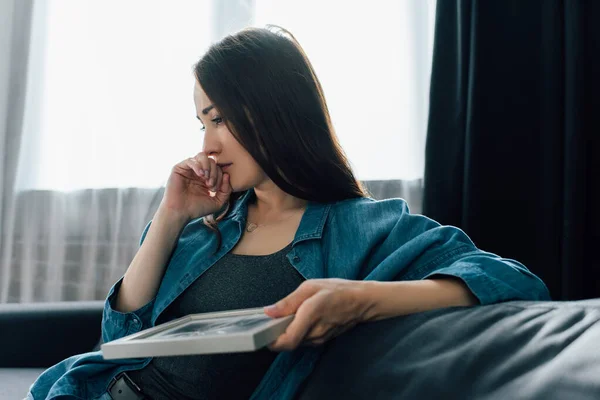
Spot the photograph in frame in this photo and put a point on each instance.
(207, 333)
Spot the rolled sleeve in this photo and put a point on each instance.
(490, 278)
(397, 245)
(117, 324)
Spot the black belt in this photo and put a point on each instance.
(123, 388)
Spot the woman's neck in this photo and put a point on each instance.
(275, 202)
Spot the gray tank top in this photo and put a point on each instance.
(235, 281)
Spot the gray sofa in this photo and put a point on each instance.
(511, 350)
(36, 336)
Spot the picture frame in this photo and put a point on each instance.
(204, 333)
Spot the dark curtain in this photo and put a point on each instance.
(513, 144)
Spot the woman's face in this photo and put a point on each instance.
(220, 144)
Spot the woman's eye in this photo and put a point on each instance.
(216, 120)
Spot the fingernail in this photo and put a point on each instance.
(206, 172)
(272, 307)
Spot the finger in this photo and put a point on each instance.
(324, 334)
(318, 331)
(197, 167)
(219, 179)
(304, 320)
(225, 189)
(212, 175)
(292, 337)
(193, 165)
(315, 343)
(204, 161)
(289, 304)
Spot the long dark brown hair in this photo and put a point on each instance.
(270, 98)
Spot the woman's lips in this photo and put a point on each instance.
(224, 166)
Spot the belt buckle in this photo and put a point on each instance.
(127, 380)
(130, 382)
(114, 380)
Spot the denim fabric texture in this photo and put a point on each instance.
(358, 239)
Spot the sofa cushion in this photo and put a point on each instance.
(15, 382)
(517, 349)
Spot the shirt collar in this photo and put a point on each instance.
(311, 225)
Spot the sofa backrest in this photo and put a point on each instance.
(38, 335)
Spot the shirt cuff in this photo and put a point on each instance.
(117, 324)
(495, 280)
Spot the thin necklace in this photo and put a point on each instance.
(251, 226)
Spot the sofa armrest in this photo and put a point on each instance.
(38, 335)
(535, 350)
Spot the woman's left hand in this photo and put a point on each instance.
(324, 308)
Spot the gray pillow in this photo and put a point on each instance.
(513, 350)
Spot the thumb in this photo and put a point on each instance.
(224, 190)
(290, 304)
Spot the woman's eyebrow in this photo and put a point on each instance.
(205, 111)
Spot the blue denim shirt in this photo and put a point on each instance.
(359, 239)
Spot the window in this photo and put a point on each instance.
(110, 88)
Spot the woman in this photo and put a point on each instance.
(270, 213)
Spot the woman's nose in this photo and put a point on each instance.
(210, 145)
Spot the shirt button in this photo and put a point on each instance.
(296, 258)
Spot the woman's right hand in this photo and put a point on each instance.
(187, 190)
